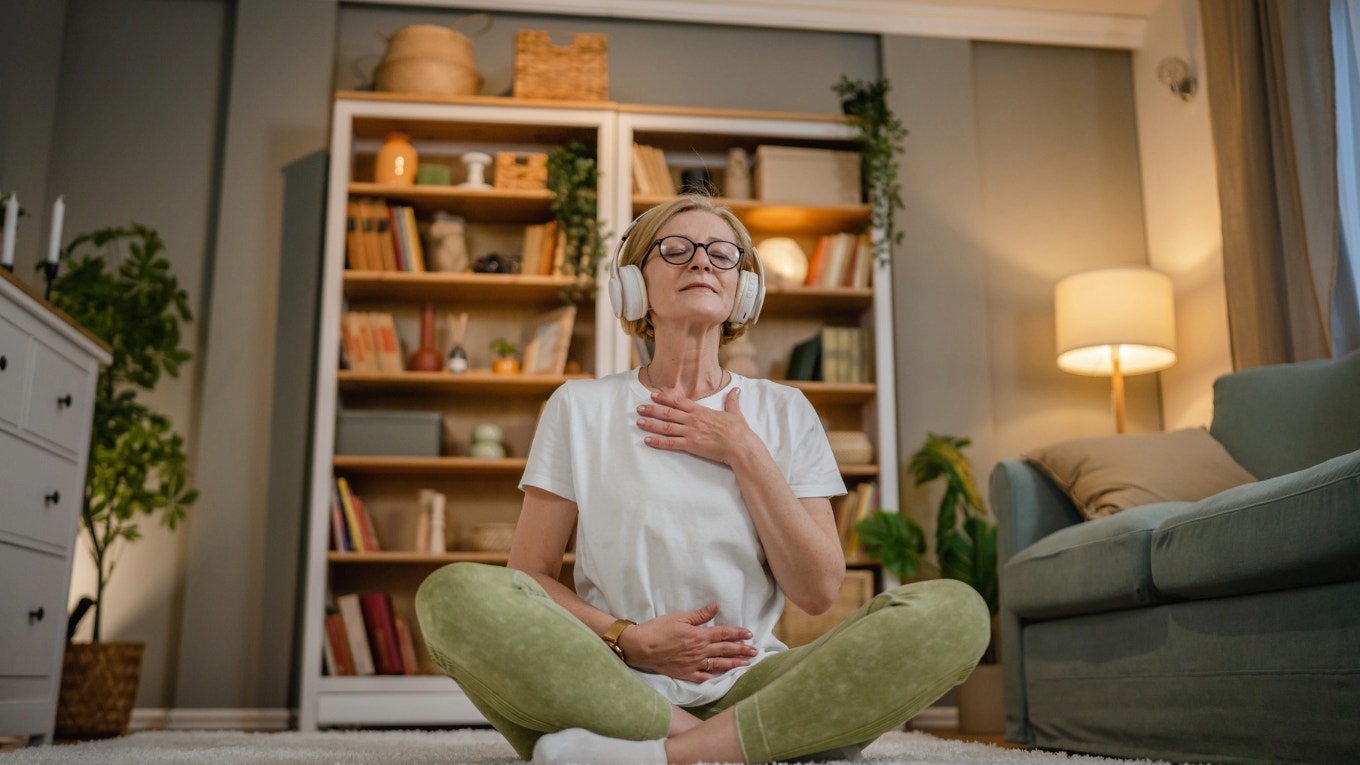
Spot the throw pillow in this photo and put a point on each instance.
(1113, 473)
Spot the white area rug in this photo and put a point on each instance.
(457, 747)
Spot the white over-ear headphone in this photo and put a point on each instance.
(628, 290)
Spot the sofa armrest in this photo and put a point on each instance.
(1028, 507)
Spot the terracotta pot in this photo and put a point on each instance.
(98, 688)
(982, 701)
(505, 365)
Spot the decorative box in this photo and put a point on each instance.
(389, 434)
(578, 71)
(797, 175)
(520, 170)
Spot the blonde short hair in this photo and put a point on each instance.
(642, 235)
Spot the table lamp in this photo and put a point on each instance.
(1116, 322)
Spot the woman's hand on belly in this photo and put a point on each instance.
(678, 645)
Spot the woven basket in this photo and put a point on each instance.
(98, 689)
(850, 447)
(520, 170)
(578, 71)
(428, 59)
(492, 537)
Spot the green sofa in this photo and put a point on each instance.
(1222, 630)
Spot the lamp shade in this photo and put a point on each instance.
(1128, 311)
(785, 263)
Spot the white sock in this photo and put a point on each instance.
(579, 746)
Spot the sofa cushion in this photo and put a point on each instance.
(1106, 475)
(1098, 566)
(1286, 417)
(1294, 530)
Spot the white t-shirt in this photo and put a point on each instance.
(661, 532)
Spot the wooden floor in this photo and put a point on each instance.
(997, 739)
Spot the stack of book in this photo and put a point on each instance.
(651, 174)
(854, 507)
(351, 526)
(365, 636)
(834, 355)
(543, 250)
(370, 342)
(382, 237)
(841, 260)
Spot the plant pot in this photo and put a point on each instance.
(982, 701)
(98, 689)
(505, 366)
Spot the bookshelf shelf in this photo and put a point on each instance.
(461, 288)
(792, 219)
(823, 393)
(491, 205)
(399, 556)
(475, 382)
(450, 466)
(811, 300)
(865, 470)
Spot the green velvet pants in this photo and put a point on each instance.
(532, 668)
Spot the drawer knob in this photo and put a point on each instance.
(51, 499)
(36, 615)
(4, 362)
(64, 401)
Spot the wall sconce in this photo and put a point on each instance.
(1115, 321)
(1175, 74)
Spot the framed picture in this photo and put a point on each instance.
(546, 351)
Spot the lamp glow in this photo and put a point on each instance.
(785, 263)
(1115, 321)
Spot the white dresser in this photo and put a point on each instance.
(48, 370)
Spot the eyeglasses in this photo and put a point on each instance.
(679, 250)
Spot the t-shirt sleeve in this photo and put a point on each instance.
(814, 472)
(549, 466)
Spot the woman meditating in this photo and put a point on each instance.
(699, 501)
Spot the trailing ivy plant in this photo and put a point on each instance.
(574, 179)
(879, 135)
(118, 285)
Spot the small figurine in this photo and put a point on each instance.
(458, 360)
(448, 243)
(737, 179)
(476, 163)
(488, 442)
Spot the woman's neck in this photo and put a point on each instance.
(689, 368)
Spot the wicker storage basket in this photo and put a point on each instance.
(428, 59)
(492, 537)
(98, 689)
(578, 71)
(520, 170)
(850, 447)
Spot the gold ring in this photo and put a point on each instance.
(708, 662)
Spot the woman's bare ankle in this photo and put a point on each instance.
(681, 721)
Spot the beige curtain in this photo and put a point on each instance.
(1268, 72)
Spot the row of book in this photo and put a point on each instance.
(841, 260)
(370, 342)
(543, 250)
(834, 355)
(365, 636)
(380, 236)
(651, 175)
(352, 527)
(859, 503)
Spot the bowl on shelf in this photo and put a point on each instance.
(850, 447)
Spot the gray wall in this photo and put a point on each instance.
(218, 140)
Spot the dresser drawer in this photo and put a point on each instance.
(42, 493)
(59, 401)
(32, 610)
(13, 367)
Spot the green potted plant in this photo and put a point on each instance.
(117, 284)
(505, 363)
(965, 549)
(879, 135)
(574, 179)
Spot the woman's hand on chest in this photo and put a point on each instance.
(675, 423)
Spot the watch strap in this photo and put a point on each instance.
(611, 637)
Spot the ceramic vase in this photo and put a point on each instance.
(426, 358)
(396, 163)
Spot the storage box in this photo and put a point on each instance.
(520, 170)
(389, 434)
(578, 71)
(796, 175)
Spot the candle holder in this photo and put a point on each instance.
(50, 273)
